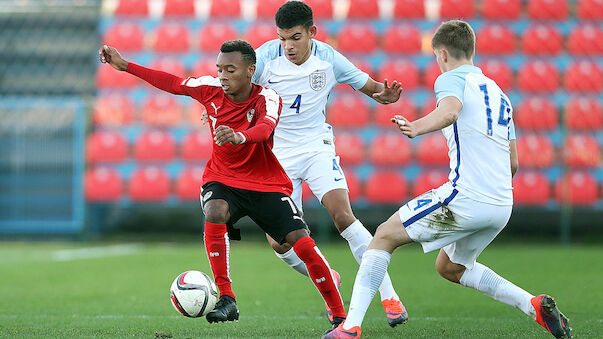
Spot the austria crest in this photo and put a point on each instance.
(318, 80)
(250, 114)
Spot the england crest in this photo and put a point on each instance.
(250, 114)
(318, 80)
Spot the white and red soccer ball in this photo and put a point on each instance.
(193, 294)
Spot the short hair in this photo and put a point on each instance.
(294, 13)
(241, 46)
(457, 36)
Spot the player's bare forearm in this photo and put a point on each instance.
(442, 116)
(513, 157)
(110, 55)
(383, 93)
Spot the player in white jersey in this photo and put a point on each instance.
(303, 71)
(461, 217)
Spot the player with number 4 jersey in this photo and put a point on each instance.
(461, 217)
(242, 177)
(303, 71)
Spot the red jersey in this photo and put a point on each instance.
(250, 165)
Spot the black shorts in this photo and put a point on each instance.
(274, 212)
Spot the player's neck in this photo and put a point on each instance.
(243, 95)
(454, 64)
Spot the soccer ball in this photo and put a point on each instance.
(193, 294)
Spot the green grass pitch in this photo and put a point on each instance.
(102, 290)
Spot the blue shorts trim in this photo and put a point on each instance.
(425, 212)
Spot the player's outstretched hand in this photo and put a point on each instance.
(389, 94)
(110, 55)
(408, 128)
(224, 134)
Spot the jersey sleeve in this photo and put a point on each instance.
(449, 85)
(268, 51)
(270, 110)
(347, 73)
(512, 130)
(162, 80)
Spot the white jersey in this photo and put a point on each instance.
(478, 142)
(304, 89)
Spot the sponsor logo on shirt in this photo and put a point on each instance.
(318, 80)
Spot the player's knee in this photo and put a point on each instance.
(216, 211)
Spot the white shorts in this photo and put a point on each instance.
(321, 170)
(445, 218)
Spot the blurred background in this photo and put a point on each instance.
(88, 152)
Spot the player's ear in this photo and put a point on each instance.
(312, 31)
(251, 70)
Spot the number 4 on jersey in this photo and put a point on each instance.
(296, 104)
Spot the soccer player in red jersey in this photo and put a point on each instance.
(242, 177)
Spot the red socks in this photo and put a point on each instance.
(217, 247)
(320, 273)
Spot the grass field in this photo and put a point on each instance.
(108, 290)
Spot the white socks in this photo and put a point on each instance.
(370, 276)
(491, 284)
(291, 258)
(358, 237)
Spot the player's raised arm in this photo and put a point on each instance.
(442, 116)
(162, 80)
(382, 92)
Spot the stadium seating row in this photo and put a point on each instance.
(152, 183)
(161, 110)
(388, 148)
(493, 38)
(370, 9)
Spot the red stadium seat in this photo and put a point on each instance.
(535, 150)
(357, 38)
(106, 76)
(149, 184)
(350, 147)
(386, 187)
(584, 76)
(547, 9)
(197, 146)
(428, 180)
(581, 150)
(433, 150)
(538, 76)
(391, 148)
(589, 9)
(432, 72)
(405, 106)
(268, 8)
(307, 194)
(180, 8)
(321, 9)
(106, 147)
(536, 113)
(225, 8)
(409, 9)
(402, 38)
(258, 33)
(583, 113)
(531, 188)
(154, 146)
(172, 37)
(194, 113)
(456, 9)
(577, 188)
(102, 184)
(169, 65)
(403, 71)
(586, 40)
(498, 71)
(363, 9)
(495, 39)
(126, 37)
(188, 184)
(132, 7)
(161, 110)
(501, 9)
(348, 111)
(542, 40)
(213, 35)
(205, 67)
(113, 110)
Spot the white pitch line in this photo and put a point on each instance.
(95, 252)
